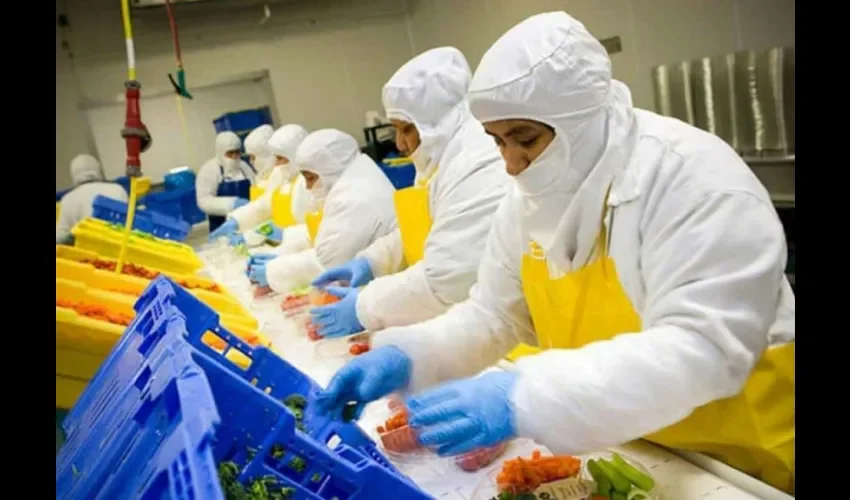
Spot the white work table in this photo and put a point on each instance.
(677, 475)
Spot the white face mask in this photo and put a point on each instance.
(547, 170)
(422, 161)
(231, 163)
(316, 196)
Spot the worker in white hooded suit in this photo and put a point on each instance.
(76, 205)
(638, 259)
(280, 186)
(443, 220)
(224, 182)
(351, 207)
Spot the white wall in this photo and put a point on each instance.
(329, 58)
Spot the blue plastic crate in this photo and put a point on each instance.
(147, 221)
(401, 177)
(243, 121)
(180, 203)
(252, 418)
(179, 180)
(164, 417)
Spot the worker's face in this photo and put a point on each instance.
(233, 154)
(311, 178)
(406, 136)
(280, 160)
(520, 141)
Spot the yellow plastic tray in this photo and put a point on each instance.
(69, 265)
(97, 236)
(68, 390)
(83, 343)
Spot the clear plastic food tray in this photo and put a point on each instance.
(487, 488)
(401, 446)
(342, 348)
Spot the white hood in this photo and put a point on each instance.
(430, 92)
(85, 168)
(224, 142)
(550, 69)
(257, 144)
(284, 142)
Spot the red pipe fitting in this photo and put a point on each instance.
(135, 133)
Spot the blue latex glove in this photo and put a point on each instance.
(260, 258)
(339, 319)
(463, 415)
(276, 235)
(236, 239)
(364, 379)
(257, 274)
(356, 272)
(240, 202)
(229, 227)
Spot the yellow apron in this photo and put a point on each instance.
(255, 192)
(414, 218)
(282, 207)
(753, 432)
(313, 221)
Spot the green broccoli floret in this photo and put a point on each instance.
(316, 477)
(298, 464)
(278, 451)
(295, 401)
(349, 411)
(286, 493)
(301, 427)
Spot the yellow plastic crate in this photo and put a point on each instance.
(99, 237)
(68, 390)
(82, 343)
(69, 265)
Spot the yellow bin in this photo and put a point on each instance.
(97, 236)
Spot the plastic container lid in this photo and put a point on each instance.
(488, 489)
(401, 445)
(342, 348)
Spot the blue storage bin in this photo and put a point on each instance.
(244, 121)
(147, 221)
(400, 177)
(163, 418)
(141, 406)
(183, 179)
(180, 203)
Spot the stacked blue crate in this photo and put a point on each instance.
(147, 221)
(146, 426)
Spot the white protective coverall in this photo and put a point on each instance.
(283, 142)
(697, 243)
(467, 183)
(76, 205)
(210, 176)
(357, 204)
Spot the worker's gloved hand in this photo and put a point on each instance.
(235, 239)
(257, 274)
(260, 258)
(366, 378)
(339, 319)
(356, 272)
(463, 415)
(276, 235)
(238, 202)
(229, 227)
